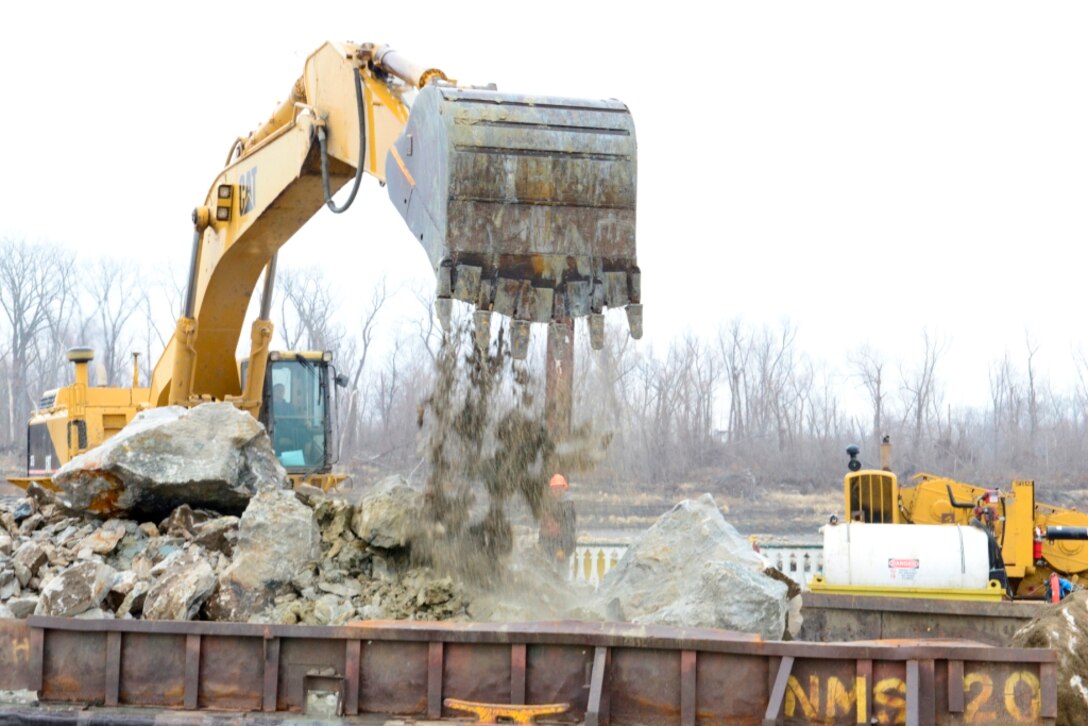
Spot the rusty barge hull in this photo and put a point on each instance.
(606, 673)
(830, 618)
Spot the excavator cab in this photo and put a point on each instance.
(296, 410)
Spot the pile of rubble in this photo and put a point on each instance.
(114, 542)
(286, 559)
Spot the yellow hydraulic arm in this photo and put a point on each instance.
(524, 205)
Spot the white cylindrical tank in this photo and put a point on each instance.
(939, 556)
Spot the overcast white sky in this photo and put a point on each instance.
(866, 169)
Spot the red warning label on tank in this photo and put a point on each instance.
(903, 564)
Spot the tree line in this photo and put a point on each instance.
(745, 409)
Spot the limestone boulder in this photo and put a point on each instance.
(277, 536)
(388, 516)
(213, 455)
(693, 568)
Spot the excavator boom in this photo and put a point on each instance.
(525, 207)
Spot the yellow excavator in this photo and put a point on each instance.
(525, 206)
(1023, 542)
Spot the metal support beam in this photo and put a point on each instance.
(434, 680)
(517, 673)
(688, 666)
(778, 691)
(597, 707)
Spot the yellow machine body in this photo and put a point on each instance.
(1013, 516)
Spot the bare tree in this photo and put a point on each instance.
(868, 369)
(922, 398)
(1033, 395)
(33, 278)
(735, 352)
(350, 425)
(307, 310)
(115, 292)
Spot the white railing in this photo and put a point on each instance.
(591, 561)
(799, 562)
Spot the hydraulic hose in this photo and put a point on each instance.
(362, 153)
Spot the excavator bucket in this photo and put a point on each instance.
(526, 205)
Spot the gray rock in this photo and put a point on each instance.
(184, 582)
(104, 540)
(22, 509)
(8, 523)
(40, 494)
(217, 535)
(133, 604)
(123, 584)
(31, 523)
(9, 585)
(334, 518)
(22, 607)
(692, 568)
(331, 610)
(81, 587)
(387, 516)
(212, 455)
(346, 589)
(27, 560)
(7, 545)
(6, 613)
(277, 536)
(95, 614)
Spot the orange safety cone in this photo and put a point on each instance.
(1055, 588)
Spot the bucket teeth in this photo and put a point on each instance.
(519, 339)
(481, 328)
(558, 340)
(634, 320)
(443, 307)
(520, 198)
(596, 330)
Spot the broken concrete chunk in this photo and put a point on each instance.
(213, 455)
